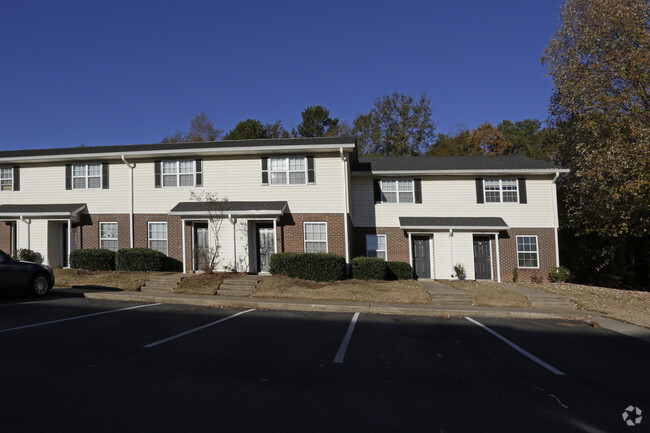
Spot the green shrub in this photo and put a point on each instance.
(27, 255)
(515, 274)
(459, 269)
(559, 274)
(140, 259)
(309, 266)
(93, 259)
(398, 271)
(368, 268)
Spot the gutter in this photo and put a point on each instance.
(131, 166)
(29, 237)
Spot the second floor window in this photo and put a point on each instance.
(288, 171)
(85, 176)
(178, 173)
(500, 190)
(397, 191)
(6, 179)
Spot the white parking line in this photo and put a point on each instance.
(517, 348)
(338, 359)
(182, 334)
(75, 318)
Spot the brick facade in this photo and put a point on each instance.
(291, 236)
(397, 242)
(508, 253)
(5, 237)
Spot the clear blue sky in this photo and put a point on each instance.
(127, 72)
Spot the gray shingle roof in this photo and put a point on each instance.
(271, 142)
(493, 223)
(27, 209)
(273, 207)
(446, 163)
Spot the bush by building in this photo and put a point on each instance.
(368, 268)
(398, 271)
(309, 266)
(93, 259)
(140, 259)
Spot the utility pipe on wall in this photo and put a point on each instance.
(556, 219)
(29, 237)
(345, 207)
(131, 166)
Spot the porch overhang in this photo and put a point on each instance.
(252, 209)
(42, 211)
(483, 224)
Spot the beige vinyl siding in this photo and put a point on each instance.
(454, 196)
(240, 179)
(220, 239)
(463, 252)
(40, 183)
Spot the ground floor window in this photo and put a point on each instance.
(108, 236)
(376, 246)
(158, 236)
(315, 237)
(527, 252)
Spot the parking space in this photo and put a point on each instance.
(127, 366)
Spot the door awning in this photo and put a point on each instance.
(233, 208)
(454, 223)
(42, 211)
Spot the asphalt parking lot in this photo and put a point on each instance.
(83, 365)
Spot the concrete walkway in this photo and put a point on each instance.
(442, 294)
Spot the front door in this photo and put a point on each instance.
(482, 263)
(265, 247)
(201, 246)
(421, 257)
(64, 243)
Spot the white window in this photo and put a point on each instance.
(178, 173)
(527, 252)
(158, 237)
(288, 171)
(108, 236)
(500, 190)
(6, 179)
(86, 176)
(397, 191)
(315, 237)
(376, 246)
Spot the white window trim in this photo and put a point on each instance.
(86, 177)
(178, 174)
(149, 238)
(11, 170)
(501, 190)
(385, 243)
(527, 252)
(288, 171)
(397, 191)
(108, 239)
(304, 235)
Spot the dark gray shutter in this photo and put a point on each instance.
(417, 188)
(156, 174)
(311, 175)
(479, 191)
(377, 190)
(265, 170)
(199, 172)
(522, 191)
(16, 178)
(68, 176)
(105, 175)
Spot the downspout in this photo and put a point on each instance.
(451, 252)
(346, 208)
(556, 219)
(234, 243)
(29, 236)
(132, 166)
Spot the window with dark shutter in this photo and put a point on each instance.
(105, 175)
(417, 188)
(156, 174)
(199, 172)
(522, 191)
(479, 191)
(311, 175)
(68, 176)
(16, 178)
(265, 170)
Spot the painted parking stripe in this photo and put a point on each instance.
(182, 334)
(338, 359)
(517, 348)
(76, 317)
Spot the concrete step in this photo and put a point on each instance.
(164, 283)
(550, 304)
(149, 289)
(240, 282)
(451, 301)
(238, 293)
(546, 298)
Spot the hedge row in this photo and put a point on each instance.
(374, 268)
(128, 259)
(309, 266)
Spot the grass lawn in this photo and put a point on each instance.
(400, 292)
(114, 280)
(490, 295)
(626, 305)
(203, 284)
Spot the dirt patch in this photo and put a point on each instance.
(203, 284)
(626, 305)
(108, 280)
(491, 295)
(399, 292)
